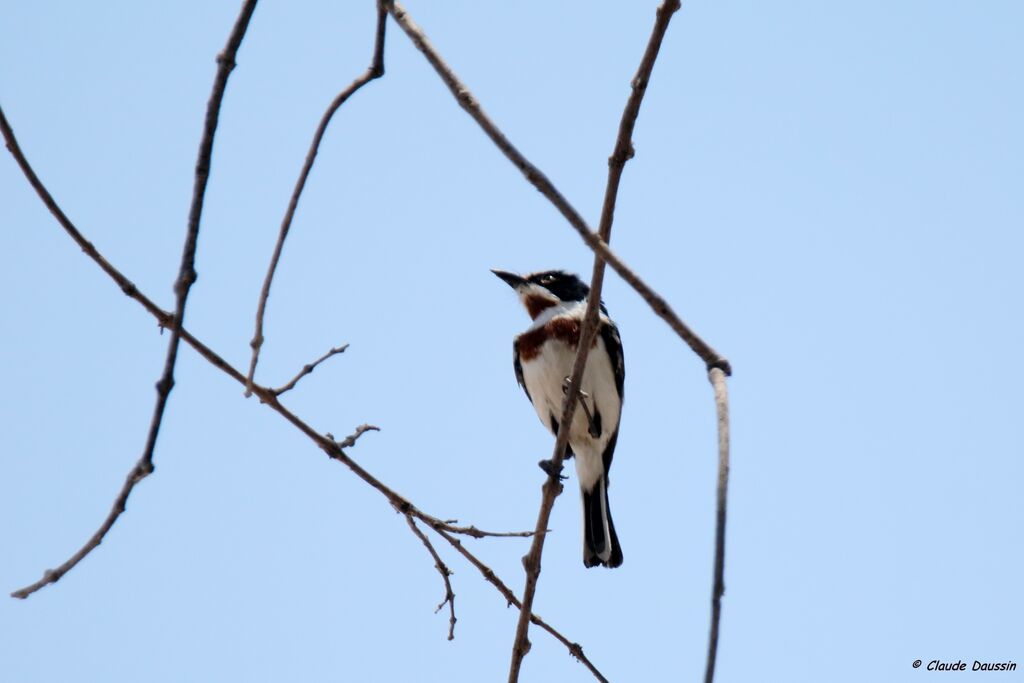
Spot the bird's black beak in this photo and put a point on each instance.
(514, 281)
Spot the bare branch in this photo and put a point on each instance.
(449, 525)
(540, 181)
(598, 242)
(136, 475)
(126, 285)
(374, 71)
(442, 568)
(717, 378)
(326, 443)
(308, 368)
(186, 276)
(718, 366)
(574, 648)
(623, 151)
(350, 440)
(552, 486)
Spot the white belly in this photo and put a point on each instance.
(544, 376)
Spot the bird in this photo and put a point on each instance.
(543, 357)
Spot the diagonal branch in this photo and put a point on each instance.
(326, 442)
(334, 449)
(186, 276)
(717, 378)
(127, 286)
(718, 366)
(540, 181)
(442, 568)
(374, 71)
(622, 152)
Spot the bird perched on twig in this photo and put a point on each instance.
(543, 359)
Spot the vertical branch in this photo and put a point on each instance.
(186, 276)
(374, 71)
(717, 378)
(552, 486)
(623, 151)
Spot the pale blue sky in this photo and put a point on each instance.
(830, 193)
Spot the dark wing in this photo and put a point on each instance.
(609, 451)
(519, 369)
(613, 344)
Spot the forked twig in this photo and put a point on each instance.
(333, 449)
(574, 648)
(374, 71)
(717, 365)
(445, 529)
(442, 568)
(325, 442)
(186, 276)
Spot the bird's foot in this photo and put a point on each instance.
(567, 382)
(549, 469)
(593, 427)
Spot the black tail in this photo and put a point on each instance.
(600, 543)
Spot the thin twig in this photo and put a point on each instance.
(574, 648)
(622, 152)
(350, 440)
(449, 525)
(374, 71)
(552, 486)
(442, 568)
(163, 317)
(717, 378)
(186, 276)
(536, 177)
(444, 528)
(308, 368)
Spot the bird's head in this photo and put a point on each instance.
(542, 290)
